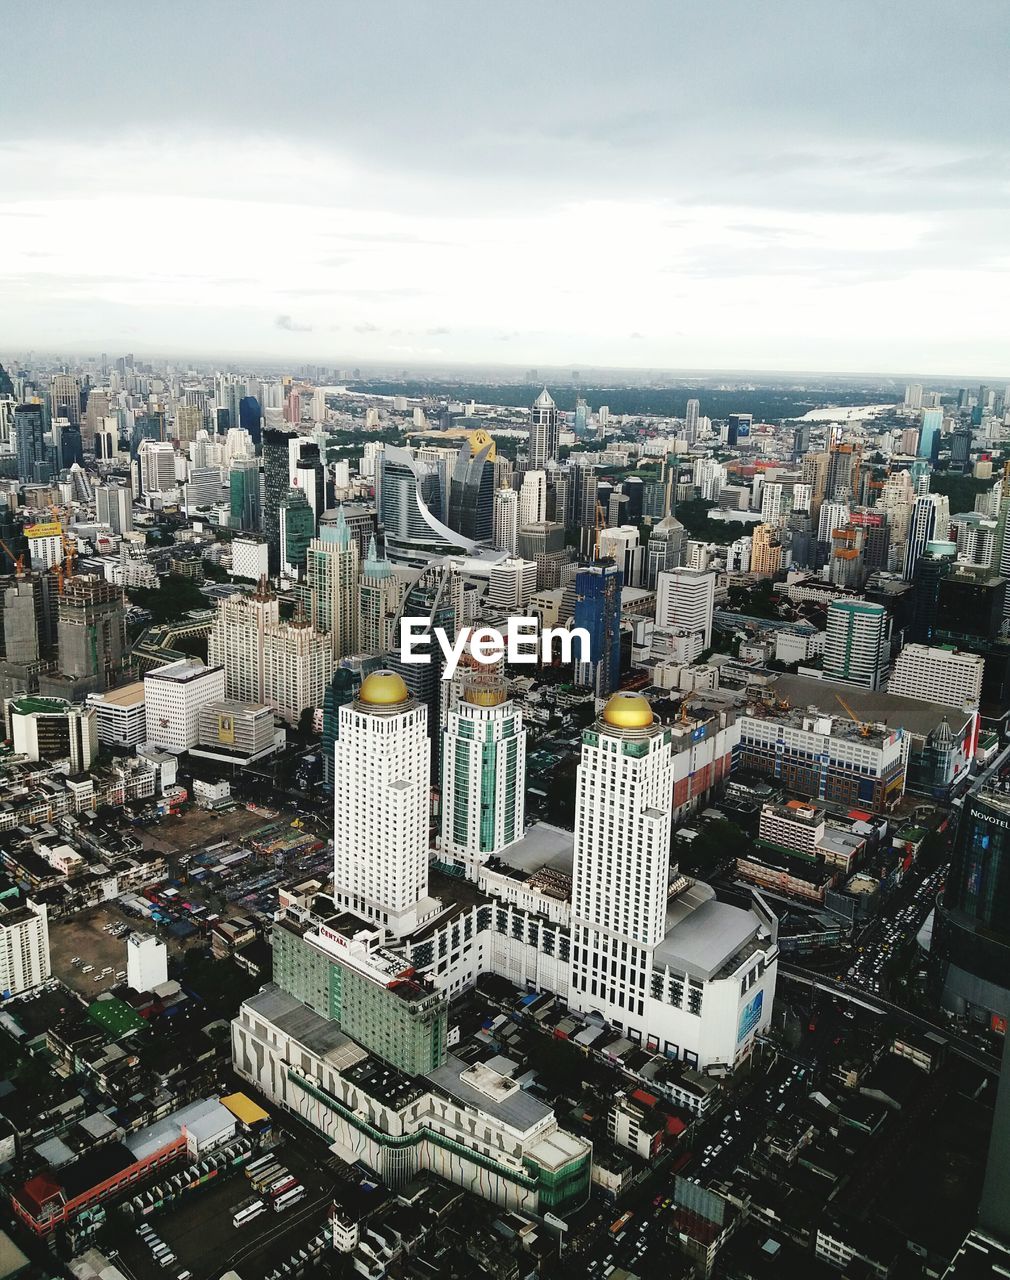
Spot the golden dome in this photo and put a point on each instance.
(628, 711)
(383, 689)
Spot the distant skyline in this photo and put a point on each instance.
(796, 187)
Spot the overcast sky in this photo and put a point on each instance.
(791, 184)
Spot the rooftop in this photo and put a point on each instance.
(508, 1104)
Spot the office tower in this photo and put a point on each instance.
(174, 695)
(380, 802)
(691, 418)
(971, 934)
(929, 435)
(306, 472)
(92, 632)
(188, 421)
(936, 561)
(67, 444)
(814, 472)
(544, 433)
(801, 441)
(24, 947)
(380, 594)
(738, 427)
(930, 522)
(296, 527)
(665, 549)
(484, 802)
(856, 643)
(842, 480)
(435, 599)
(157, 466)
(276, 483)
(471, 489)
(876, 535)
(114, 506)
(598, 611)
(511, 586)
(410, 509)
(623, 803)
(686, 599)
(506, 521)
(30, 444)
(913, 396)
(65, 398)
(970, 607)
(250, 418)
(244, 492)
(286, 665)
(105, 440)
(942, 675)
(54, 729)
(960, 449)
(533, 498)
(293, 407)
(624, 547)
(766, 552)
(331, 578)
(249, 558)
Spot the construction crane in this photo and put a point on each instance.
(17, 561)
(65, 568)
(599, 522)
(864, 729)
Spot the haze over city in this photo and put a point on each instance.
(794, 186)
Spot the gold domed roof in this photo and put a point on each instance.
(383, 689)
(628, 711)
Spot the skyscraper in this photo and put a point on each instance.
(930, 523)
(544, 433)
(855, 643)
(244, 491)
(686, 599)
(65, 397)
(598, 610)
(665, 549)
(114, 506)
(623, 803)
(92, 632)
(276, 483)
(250, 418)
(471, 489)
(30, 443)
(533, 498)
(506, 520)
(929, 435)
(691, 416)
(380, 801)
(380, 594)
(297, 526)
(484, 799)
(331, 578)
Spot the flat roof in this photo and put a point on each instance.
(319, 1035)
(704, 940)
(127, 695)
(874, 706)
(512, 1106)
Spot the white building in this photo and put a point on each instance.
(173, 697)
(686, 599)
(533, 498)
(946, 676)
(52, 729)
(114, 506)
(484, 775)
(331, 576)
(380, 796)
(24, 948)
(511, 585)
(506, 520)
(157, 466)
(146, 962)
(121, 715)
(250, 558)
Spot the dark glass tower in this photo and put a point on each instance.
(971, 931)
(930, 569)
(276, 483)
(250, 418)
(30, 439)
(471, 490)
(598, 610)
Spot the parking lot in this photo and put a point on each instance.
(85, 936)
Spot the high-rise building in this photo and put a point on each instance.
(331, 579)
(544, 434)
(379, 596)
(598, 611)
(533, 498)
(157, 466)
(146, 962)
(766, 552)
(381, 782)
(738, 427)
(686, 599)
(92, 632)
(506, 521)
(410, 501)
(970, 945)
(65, 397)
(244, 491)
(935, 562)
(691, 418)
(944, 675)
(114, 506)
(24, 947)
(665, 549)
(276, 483)
(930, 522)
(285, 665)
(929, 435)
(54, 729)
(250, 418)
(30, 443)
(188, 421)
(471, 488)
(173, 698)
(856, 643)
(621, 873)
(484, 801)
(297, 527)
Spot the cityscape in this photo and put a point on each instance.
(504, 643)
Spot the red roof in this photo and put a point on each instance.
(37, 1191)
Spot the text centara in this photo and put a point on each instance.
(522, 641)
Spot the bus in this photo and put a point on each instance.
(246, 1211)
(281, 1185)
(261, 1163)
(265, 1176)
(617, 1227)
(289, 1198)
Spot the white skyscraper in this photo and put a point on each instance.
(173, 697)
(512, 585)
(624, 795)
(855, 643)
(686, 599)
(157, 466)
(381, 779)
(691, 421)
(533, 498)
(24, 948)
(484, 779)
(544, 433)
(506, 520)
(331, 575)
(930, 523)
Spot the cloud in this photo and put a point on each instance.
(289, 325)
(437, 330)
